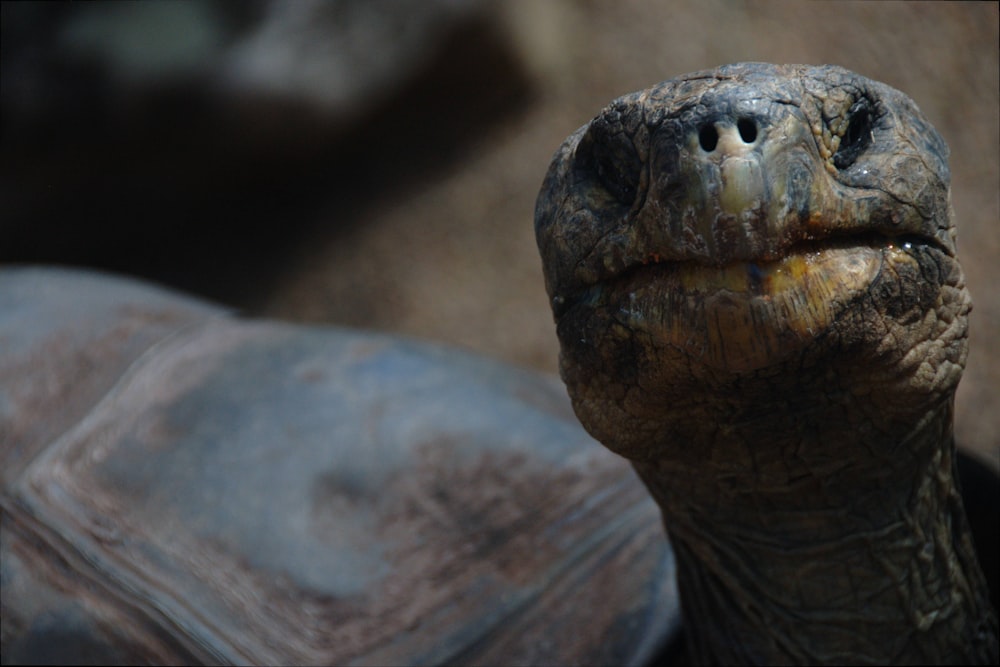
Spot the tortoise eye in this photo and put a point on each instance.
(857, 136)
(617, 178)
(608, 154)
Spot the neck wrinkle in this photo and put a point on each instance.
(775, 579)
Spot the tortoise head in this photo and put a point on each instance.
(755, 289)
(749, 239)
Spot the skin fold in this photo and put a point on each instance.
(754, 279)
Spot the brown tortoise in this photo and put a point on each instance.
(753, 277)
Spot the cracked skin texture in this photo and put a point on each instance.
(757, 297)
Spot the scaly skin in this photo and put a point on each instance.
(754, 282)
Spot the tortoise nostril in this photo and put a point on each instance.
(708, 137)
(747, 129)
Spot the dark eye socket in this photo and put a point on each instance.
(609, 155)
(617, 178)
(858, 135)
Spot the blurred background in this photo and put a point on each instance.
(375, 164)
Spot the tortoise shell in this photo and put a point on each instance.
(182, 485)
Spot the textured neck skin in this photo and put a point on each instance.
(894, 539)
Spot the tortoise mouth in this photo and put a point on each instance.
(832, 265)
(744, 316)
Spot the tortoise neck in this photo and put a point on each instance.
(810, 571)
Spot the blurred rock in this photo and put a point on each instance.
(337, 56)
(186, 142)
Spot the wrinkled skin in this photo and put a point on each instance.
(754, 281)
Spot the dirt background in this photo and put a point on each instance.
(409, 207)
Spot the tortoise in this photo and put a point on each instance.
(753, 275)
(183, 485)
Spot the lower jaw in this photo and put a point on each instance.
(746, 316)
